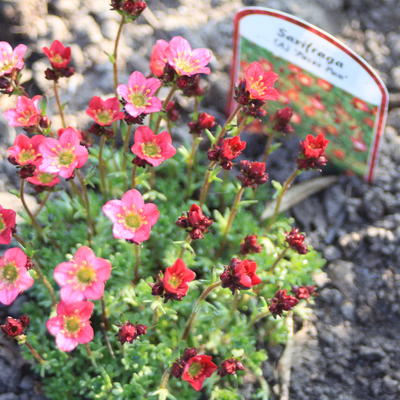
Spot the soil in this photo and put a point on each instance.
(349, 349)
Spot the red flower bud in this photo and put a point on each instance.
(252, 173)
(282, 302)
(229, 367)
(304, 292)
(296, 241)
(250, 245)
(130, 332)
(14, 327)
(281, 120)
(313, 152)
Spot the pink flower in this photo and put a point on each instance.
(155, 149)
(186, 61)
(14, 277)
(176, 279)
(26, 113)
(83, 277)
(7, 225)
(62, 156)
(58, 54)
(139, 95)
(104, 112)
(44, 179)
(158, 58)
(10, 59)
(25, 150)
(260, 83)
(69, 128)
(132, 218)
(71, 326)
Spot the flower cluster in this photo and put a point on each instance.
(304, 292)
(255, 89)
(226, 151)
(204, 121)
(195, 222)
(240, 275)
(173, 285)
(250, 245)
(60, 58)
(252, 173)
(129, 8)
(282, 302)
(313, 152)
(281, 120)
(129, 332)
(230, 367)
(176, 61)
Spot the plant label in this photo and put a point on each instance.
(330, 88)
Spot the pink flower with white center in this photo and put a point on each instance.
(62, 156)
(10, 59)
(43, 179)
(158, 58)
(132, 218)
(259, 82)
(186, 61)
(153, 148)
(26, 113)
(139, 95)
(104, 112)
(25, 150)
(58, 55)
(14, 277)
(7, 225)
(84, 277)
(71, 326)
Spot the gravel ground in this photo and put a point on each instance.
(348, 351)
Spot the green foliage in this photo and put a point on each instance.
(222, 328)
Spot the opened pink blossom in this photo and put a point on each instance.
(104, 112)
(83, 277)
(155, 149)
(26, 113)
(7, 225)
(14, 277)
(132, 218)
(71, 326)
(11, 59)
(62, 156)
(25, 150)
(139, 95)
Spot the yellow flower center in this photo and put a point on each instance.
(56, 58)
(66, 157)
(133, 221)
(10, 273)
(72, 324)
(175, 281)
(258, 85)
(138, 99)
(27, 155)
(86, 275)
(45, 177)
(104, 117)
(186, 65)
(195, 369)
(151, 149)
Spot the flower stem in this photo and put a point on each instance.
(102, 166)
(259, 316)
(203, 296)
(191, 161)
(134, 170)
(91, 230)
(115, 52)
(165, 103)
(285, 187)
(188, 240)
(90, 355)
(278, 259)
(35, 354)
(231, 218)
(206, 183)
(227, 123)
(104, 326)
(59, 106)
(136, 249)
(164, 384)
(125, 153)
(267, 147)
(42, 203)
(35, 224)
